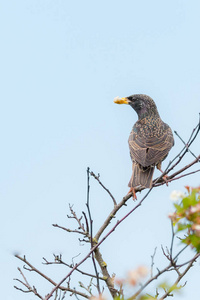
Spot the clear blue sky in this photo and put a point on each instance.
(62, 63)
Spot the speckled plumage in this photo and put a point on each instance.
(150, 141)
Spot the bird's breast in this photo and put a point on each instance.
(149, 128)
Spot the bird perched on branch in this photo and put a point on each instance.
(149, 142)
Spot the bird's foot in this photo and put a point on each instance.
(165, 178)
(132, 190)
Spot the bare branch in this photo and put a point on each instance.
(170, 178)
(27, 285)
(167, 269)
(180, 276)
(97, 245)
(50, 280)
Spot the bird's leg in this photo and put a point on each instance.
(132, 190)
(165, 177)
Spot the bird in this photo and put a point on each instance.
(149, 141)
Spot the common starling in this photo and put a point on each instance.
(149, 142)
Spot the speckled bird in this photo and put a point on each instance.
(149, 142)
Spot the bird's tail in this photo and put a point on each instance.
(141, 176)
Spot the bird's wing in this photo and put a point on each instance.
(148, 150)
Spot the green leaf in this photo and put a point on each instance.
(182, 226)
(186, 202)
(190, 200)
(179, 208)
(195, 241)
(119, 298)
(147, 297)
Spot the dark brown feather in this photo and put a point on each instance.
(141, 176)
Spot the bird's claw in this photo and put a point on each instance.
(132, 190)
(165, 178)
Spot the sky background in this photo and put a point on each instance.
(62, 64)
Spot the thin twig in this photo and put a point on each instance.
(167, 269)
(69, 230)
(86, 222)
(103, 186)
(184, 175)
(176, 256)
(59, 261)
(152, 261)
(74, 216)
(27, 285)
(172, 242)
(185, 149)
(186, 145)
(91, 228)
(187, 262)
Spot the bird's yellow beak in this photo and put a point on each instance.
(119, 100)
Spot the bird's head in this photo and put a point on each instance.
(142, 104)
